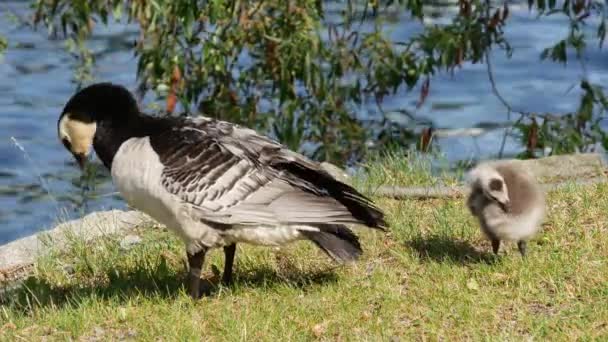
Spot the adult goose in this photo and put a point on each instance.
(212, 182)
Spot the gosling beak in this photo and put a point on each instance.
(81, 158)
(506, 206)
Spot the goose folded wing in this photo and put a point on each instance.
(232, 175)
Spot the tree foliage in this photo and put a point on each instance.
(302, 69)
(3, 44)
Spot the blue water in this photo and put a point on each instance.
(37, 187)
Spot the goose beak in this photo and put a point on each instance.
(81, 158)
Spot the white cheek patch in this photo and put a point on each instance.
(80, 134)
(63, 129)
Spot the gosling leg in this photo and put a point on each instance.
(523, 248)
(495, 246)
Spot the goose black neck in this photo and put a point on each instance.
(112, 133)
(116, 114)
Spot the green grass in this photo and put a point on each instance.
(431, 277)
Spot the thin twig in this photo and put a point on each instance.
(495, 90)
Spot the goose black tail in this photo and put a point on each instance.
(361, 207)
(339, 242)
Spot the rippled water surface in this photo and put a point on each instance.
(38, 180)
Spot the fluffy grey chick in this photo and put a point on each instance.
(507, 201)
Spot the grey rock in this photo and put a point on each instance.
(129, 241)
(565, 167)
(552, 172)
(69, 269)
(21, 254)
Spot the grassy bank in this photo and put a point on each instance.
(432, 276)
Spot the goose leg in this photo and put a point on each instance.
(229, 252)
(195, 263)
(495, 246)
(523, 247)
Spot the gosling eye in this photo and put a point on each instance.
(66, 143)
(496, 185)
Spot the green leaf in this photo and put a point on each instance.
(117, 12)
(318, 81)
(3, 43)
(541, 5)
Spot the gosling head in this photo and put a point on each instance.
(492, 186)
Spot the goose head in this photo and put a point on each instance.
(81, 117)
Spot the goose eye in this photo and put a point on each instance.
(66, 143)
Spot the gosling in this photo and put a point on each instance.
(507, 201)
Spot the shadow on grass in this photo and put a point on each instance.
(158, 282)
(38, 291)
(266, 277)
(447, 249)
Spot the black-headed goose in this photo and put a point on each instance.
(211, 182)
(508, 202)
